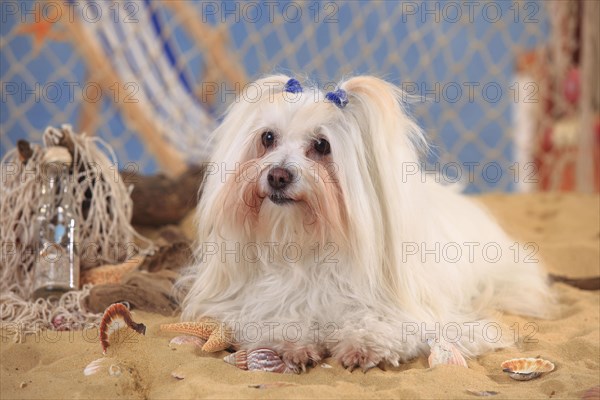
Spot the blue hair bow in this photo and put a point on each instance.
(293, 86)
(339, 98)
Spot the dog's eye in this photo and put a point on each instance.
(268, 139)
(322, 147)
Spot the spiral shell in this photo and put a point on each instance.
(258, 360)
(525, 369)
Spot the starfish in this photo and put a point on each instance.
(105, 274)
(40, 29)
(218, 337)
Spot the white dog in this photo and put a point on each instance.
(318, 235)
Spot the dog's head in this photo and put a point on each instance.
(295, 164)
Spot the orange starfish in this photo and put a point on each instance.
(40, 29)
(105, 274)
(218, 337)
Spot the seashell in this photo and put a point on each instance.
(258, 360)
(265, 360)
(178, 375)
(443, 352)
(115, 313)
(482, 393)
(186, 340)
(239, 359)
(95, 366)
(325, 365)
(114, 370)
(524, 369)
(592, 394)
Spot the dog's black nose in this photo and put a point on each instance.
(279, 178)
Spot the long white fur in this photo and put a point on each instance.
(369, 296)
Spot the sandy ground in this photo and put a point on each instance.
(567, 229)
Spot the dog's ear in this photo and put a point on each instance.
(378, 107)
(392, 143)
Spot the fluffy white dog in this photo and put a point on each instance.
(319, 236)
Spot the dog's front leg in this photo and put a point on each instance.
(372, 341)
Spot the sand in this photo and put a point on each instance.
(567, 229)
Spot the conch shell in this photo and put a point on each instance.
(258, 360)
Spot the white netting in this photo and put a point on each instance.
(104, 235)
(486, 69)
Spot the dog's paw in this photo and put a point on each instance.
(353, 356)
(298, 357)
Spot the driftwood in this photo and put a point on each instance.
(159, 200)
(591, 283)
(150, 286)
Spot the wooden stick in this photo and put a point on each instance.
(159, 200)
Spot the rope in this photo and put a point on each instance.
(104, 213)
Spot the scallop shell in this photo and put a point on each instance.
(443, 352)
(95, 366)
(524, 369)
(258, 360)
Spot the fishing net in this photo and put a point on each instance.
(103, 213)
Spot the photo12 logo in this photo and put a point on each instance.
(470, 11)
(69, 11)
(269, 11)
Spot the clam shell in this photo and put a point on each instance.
(443, 352)
(95, 366)
(524, 369)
